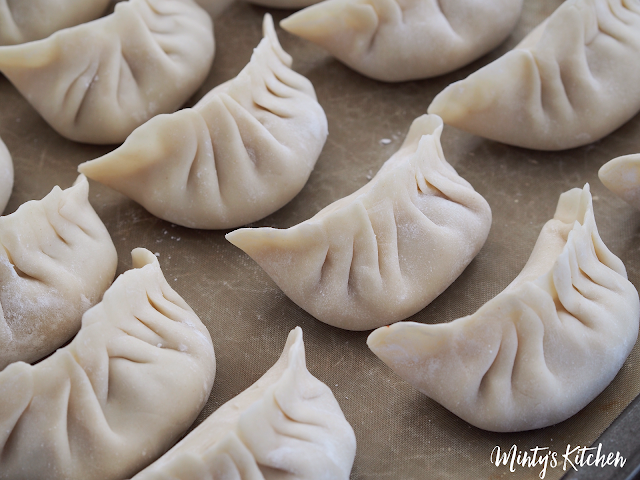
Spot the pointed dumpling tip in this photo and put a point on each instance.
(377, 337)
(28, 55)
(257, 241)
(573, 205)
(323, 22)
(421, 126)
(269, 33)
(622, 176)
(142, 257)
(246, 239)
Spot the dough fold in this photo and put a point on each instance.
(118, 396)
(245, 150)
(386, 251)
(28, 20)
(570, 82)
(97, 82)
(286, 425)
(56, 261)
(6, 176)
(394, 40)
(542, 349)
(622, 176)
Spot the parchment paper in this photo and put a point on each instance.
(401, 433)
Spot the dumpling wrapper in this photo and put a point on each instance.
(56, 261)
(6, 175)
(97, 82)
(386, 251)
(542, 349)
(286, 425)
(242, 152)
(119, 395)
(28, 20)
(394, 41)
(622, 176)
(570, 82)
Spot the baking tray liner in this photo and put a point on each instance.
(401, 433)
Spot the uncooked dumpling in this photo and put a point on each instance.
(622, 176)
(286, 425)
(27, 20)
(395, 40)
(245, 150)
(543, 348)
(386, 251)
(572, 81)
(119, 395)
(56, 261)
(97, 82)
(6, 175)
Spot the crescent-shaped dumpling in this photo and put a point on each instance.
(622, 176)
(118, 396)
(6, 175)
(98, 81)
(570, 82)
(395, 40)
(286, 425)
(386, 251)
(56, 261)
(245, 150)
(27, 20)
(543, 348)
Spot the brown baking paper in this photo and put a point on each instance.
(401, 433)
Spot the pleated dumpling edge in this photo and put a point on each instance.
(287, 422)
(570, 82)
(97, 82)
(119, 395)
(241, 153)
(542, 349)
(387, 250)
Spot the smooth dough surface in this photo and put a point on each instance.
(570, 82)
(28, 20)
(386, 251)
(56, 261)
(242, 152)
(118, 396)
(97, 82)
(286, 425)
(542, 349)
(6, 175)
(622, 176)
(399, 40)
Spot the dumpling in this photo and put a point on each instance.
(543, 348)
(56, 261)
(27, 20)
(119, 395)
(570, 82)
(386, 251)
(286, 425)
(622, 176)
(98, 81)
(6, 175)
(394, 41)
(245, 150)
